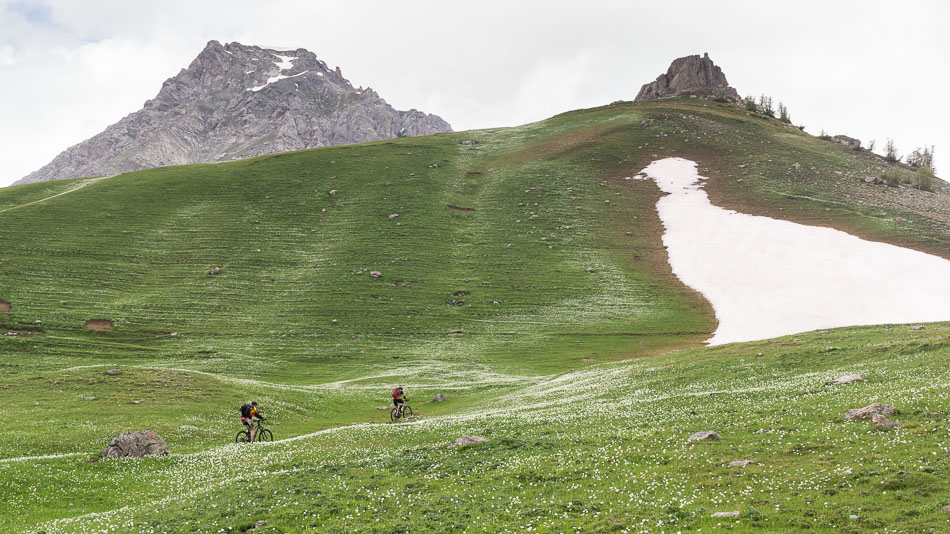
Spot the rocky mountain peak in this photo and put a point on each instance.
(236, 101)
(689, 75)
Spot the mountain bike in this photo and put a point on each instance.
(260, 434)
(402, 410)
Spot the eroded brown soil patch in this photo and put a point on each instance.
(5, 306)
(99, 325)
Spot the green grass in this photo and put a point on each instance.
(546, 314)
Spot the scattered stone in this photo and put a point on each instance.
(883, 422)
(868, 411)
(333, 192)
(740, 463)
(726, 514)
(390, 407)
(113, 372)
(707, 435)
(588, 360)
(89, 398)
(214, 271)
(439, 398)
(945, 509)
(259, 524)
(847, 471)
(465, 441)
(852, 517)
(847, 379)
(393, 216)
(917, 327)
(467, 143)
(797, 166)
(136, 445)
(375, 274)
(494, 302)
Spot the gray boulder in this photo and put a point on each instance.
(136, 445)
(883, 422)
(847, 379)
(867, 412)
(708, 435)
(726, 514)
(439, 398)
(740, 463)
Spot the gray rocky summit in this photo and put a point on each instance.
(689, 75)
(236, 101)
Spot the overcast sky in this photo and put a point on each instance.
(872, 70)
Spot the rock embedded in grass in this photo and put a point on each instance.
(465, 441)
(734, 513)
(136, 445)
(883, 422)
(867, 412)
(706, 435)
(847, 379)
(113, 372)
(375, 274)
(740, 463)
(439, 398)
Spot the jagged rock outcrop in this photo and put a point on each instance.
(136, 445)
(689, 75)
(236, 101)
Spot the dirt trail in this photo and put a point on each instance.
(78, 187)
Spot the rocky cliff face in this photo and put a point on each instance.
(237, 101)
(689, 75)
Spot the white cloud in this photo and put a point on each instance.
(69, 69)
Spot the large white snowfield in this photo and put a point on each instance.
(768, 278)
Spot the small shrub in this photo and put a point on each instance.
(925, 179)
(892, 177)
(824, 135)
(750, 104)
(871, 145)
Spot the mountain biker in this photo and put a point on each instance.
(399, 397)
(249, 412)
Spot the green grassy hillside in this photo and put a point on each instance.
(511, 271)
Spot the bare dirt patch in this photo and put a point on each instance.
(5, 306)
(464, 210)
(99, 325)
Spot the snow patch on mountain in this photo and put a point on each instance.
(767, 278)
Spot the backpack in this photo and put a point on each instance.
(245, 410)
(397, 392)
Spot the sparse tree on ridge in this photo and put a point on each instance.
(921, 157)
(783, 113)
(871, 145)
(765, 103)
(890, 151)
(750, 104)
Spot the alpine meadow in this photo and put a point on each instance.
(519, 272)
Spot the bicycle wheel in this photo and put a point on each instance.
(394, 415)
(242, 437)
(406, 412)
(264, 435)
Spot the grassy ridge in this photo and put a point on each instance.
(511, 269)
(603, 449)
